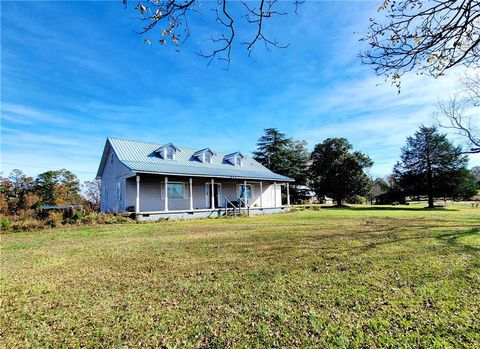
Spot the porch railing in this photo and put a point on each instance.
(230, 205)
(245, 204)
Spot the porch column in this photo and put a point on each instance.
(245, 192)
(137, 200)
(261, 194)
(166, 194)
(288, 194)
(212, 195)
(190, 185)
(274, 194)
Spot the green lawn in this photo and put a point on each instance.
(387, 277)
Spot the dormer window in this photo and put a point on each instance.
(236, 159)
(170, 153)
(208, 157)
(204, 155)
(167, 151)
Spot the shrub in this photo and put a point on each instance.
(123, 219)
(356, 199)
(105, 218)
(90, 218)
(27, 225)
(54, 219)
(78, 216)
(5, 223)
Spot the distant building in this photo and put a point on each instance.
(307, 193)
(310, 195)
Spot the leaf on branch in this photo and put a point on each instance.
(142, 8)
(162, 42)
(146, 41)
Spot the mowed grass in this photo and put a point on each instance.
(359, 277)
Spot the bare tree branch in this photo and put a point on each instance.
(457, 112)
(427, 36)
(172, 16)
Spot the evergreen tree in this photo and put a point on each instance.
(284, 156)
(338, 172)
(476, 173)
(58, 187)
(431, 165)
(272, 149)
(466, 185)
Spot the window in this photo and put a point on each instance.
(111, 158)
(119, 191)
(175, 190)
(241, 191)
(208, 157)
(170, 153)
(238, 161)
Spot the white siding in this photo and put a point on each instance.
(113, 172)
(152, 195)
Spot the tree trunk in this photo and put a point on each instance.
(430, 185)
(339, 201)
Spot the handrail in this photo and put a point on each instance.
(242, 201)
(233, 206)
(226, 200)
(246, 205)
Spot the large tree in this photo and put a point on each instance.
(284, 156)
(337, 171)
(430, 165)
(16, 192)
(58, 187)
(427, 36)
(475, 170)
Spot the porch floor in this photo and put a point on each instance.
(203, 213)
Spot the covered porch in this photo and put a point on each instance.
(153, 196)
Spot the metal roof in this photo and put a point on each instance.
(140, 157)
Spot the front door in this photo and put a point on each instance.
(216, 194)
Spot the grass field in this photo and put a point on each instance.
(359, 277)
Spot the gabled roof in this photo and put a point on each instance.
(201, 151)
(166, 146)
(140, 157)
(231, 155)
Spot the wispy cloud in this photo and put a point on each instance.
(64, 91)
(22, 114)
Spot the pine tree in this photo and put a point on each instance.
(284, 156)
(431, 165)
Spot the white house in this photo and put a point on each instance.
(167, 181)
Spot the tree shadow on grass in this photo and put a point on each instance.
(390, 208)
(393, 236)
(452, 239)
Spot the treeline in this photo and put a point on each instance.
(20, 193)
(430, 166)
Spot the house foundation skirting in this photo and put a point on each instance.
(207, 213)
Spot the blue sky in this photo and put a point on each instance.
(74, 73)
